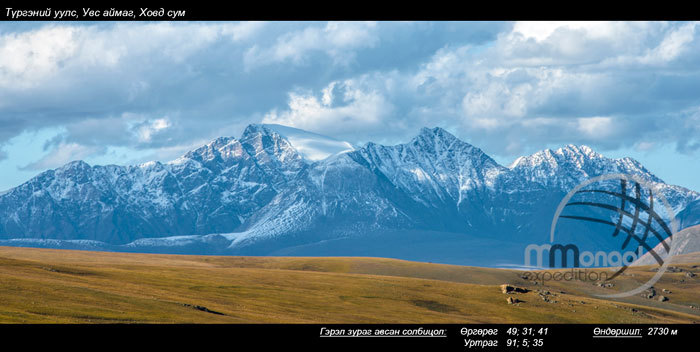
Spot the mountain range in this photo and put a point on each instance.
(277, 190)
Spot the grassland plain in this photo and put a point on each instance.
(65, 286)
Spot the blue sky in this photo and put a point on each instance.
(130, 92)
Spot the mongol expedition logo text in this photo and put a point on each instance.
(626, 209)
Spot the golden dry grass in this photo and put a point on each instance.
(63, 286)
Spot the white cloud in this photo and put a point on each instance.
(497, 100)
(577, 43)
(243, 30)
(62, 52)
(645, 146)
(342, 36)
(530, 85)
(544, 83)
(342, 106)
(673, 45)
(27, 57)
(148, 129)
(595, 127)
(62, 154)
(338, 40)
(541, 31)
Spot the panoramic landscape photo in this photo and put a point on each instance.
(349, 172)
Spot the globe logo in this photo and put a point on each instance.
(626, 209)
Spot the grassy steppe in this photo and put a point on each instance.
(64, 286)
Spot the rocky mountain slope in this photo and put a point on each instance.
(279, 190)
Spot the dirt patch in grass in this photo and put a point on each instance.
(201, 308)
(67, 271)
(435, 306)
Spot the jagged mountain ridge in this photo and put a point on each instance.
(261, 195)
(211, 189)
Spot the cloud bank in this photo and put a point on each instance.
(509, 88)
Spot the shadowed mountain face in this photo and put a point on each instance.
(684, 247)
(278, 190)
(690, 215)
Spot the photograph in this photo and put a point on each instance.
(492, 185)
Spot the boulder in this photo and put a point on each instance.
(508, 289)
(512, 300)
(649, 293)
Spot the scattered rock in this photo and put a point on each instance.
(506, 288)
(605, 284)
(666, 291)
(690, 274)
(512, 300)
(663, 298)
(649, 293)
(674, 269)
(545, 296)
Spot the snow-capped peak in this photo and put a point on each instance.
(435, 134)
(567, 153)
(580, 150)
(76, 164)
(148, 164)
(571, 164)
(222, 147)
(516, 162)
